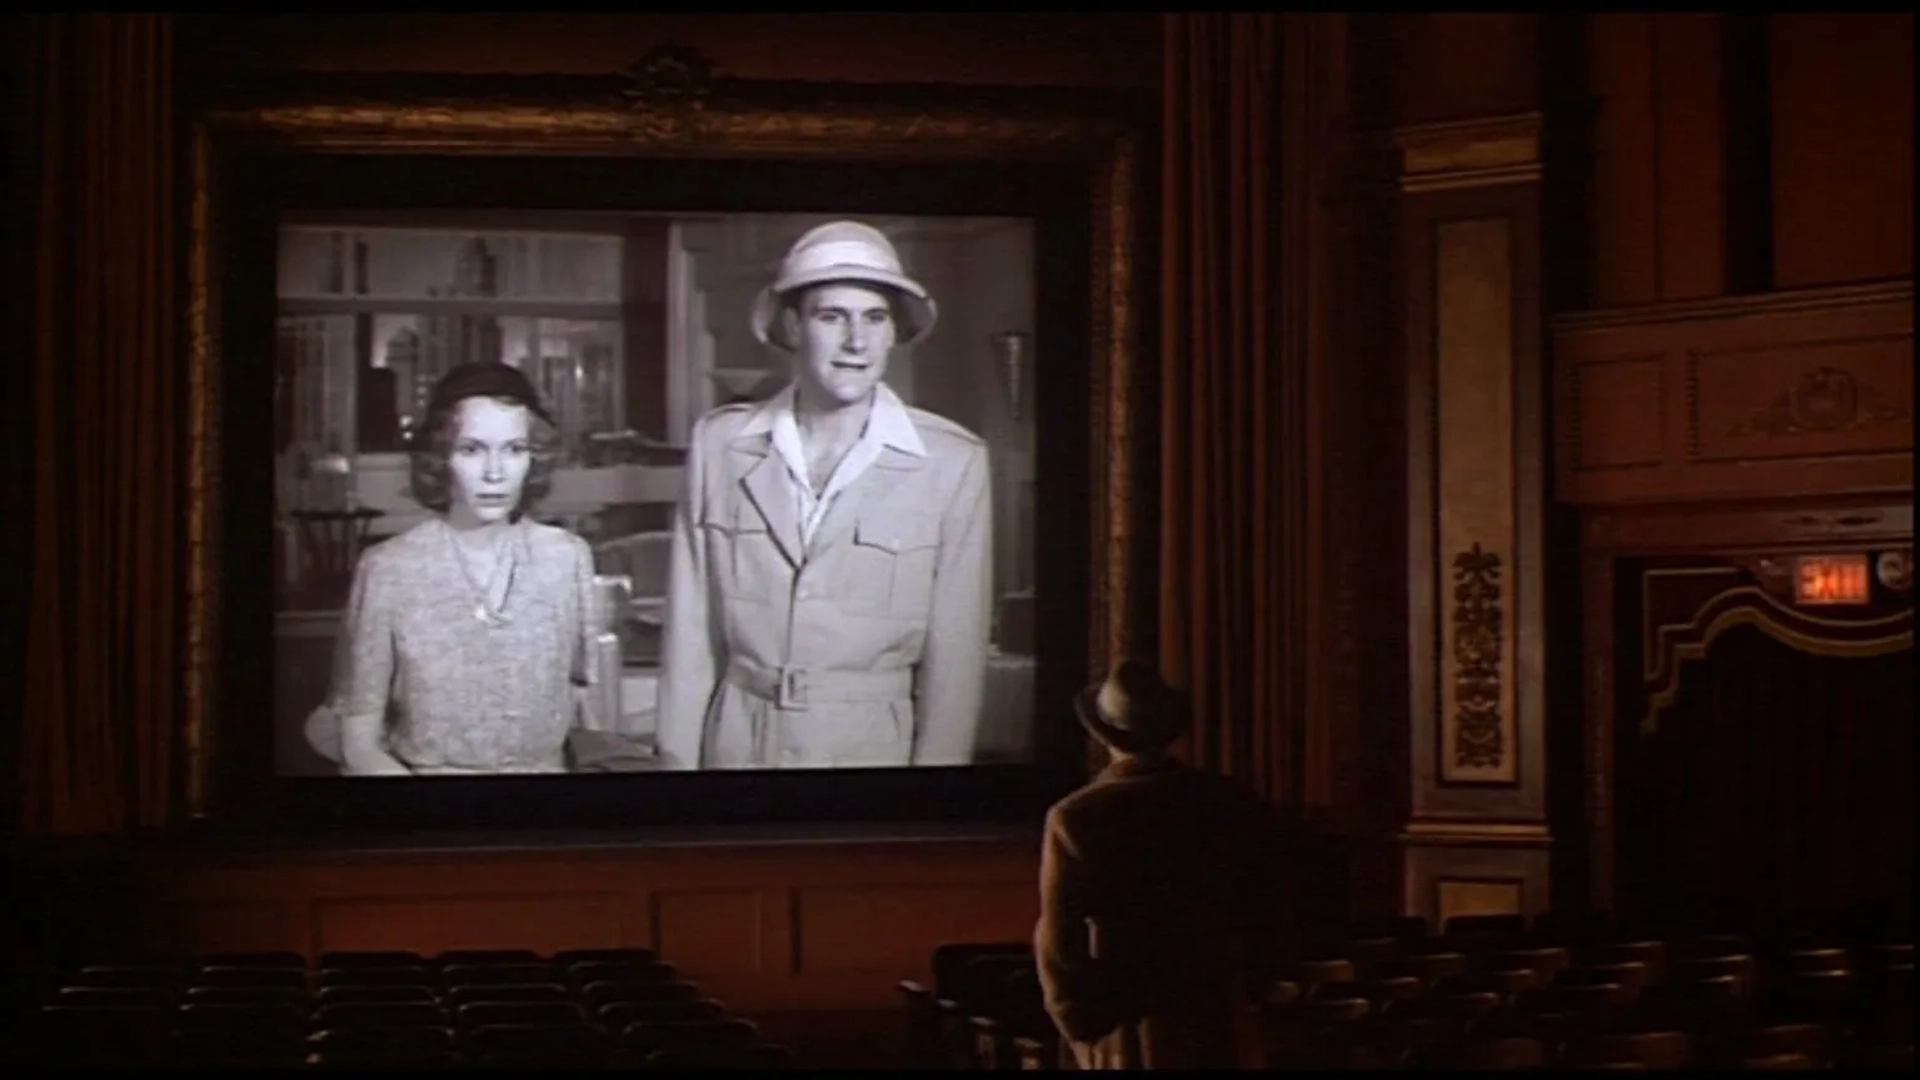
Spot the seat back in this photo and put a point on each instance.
(642, 1040)
(456, 996)
(355, 1015)
(621, 1015)
(951, 959)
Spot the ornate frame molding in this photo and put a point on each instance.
(1732, 535)
(1718, 599)
(673, 105)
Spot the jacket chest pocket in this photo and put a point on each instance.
(890, 565)
(743, 557)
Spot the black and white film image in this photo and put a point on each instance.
(569, 492)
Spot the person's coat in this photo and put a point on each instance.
(878, 629)
(1160, 906)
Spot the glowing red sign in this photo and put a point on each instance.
(1831, 579)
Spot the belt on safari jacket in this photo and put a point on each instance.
(795, 688)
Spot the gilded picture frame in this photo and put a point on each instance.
(672, 105)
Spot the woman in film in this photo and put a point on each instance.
(464, 644)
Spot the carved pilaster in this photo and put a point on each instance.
(1476, 840)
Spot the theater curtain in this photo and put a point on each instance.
(97, 750)
(1233, 395)
(1779, 781)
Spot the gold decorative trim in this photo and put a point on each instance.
(203, 478)
(678, 130)
(1474, 834)
(670, 76)
(1687, 651)
(1469, 153)
(1112, 397)
(1478, 646)
(1655, 653)
(1796, 301)
(672, 105)
(1825, 401)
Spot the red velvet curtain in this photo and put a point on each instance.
(98, 741)
(1779, 781)
(1233, 482)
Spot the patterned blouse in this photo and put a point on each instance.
(464, 692)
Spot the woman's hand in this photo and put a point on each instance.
(363, 744)
(377, 763)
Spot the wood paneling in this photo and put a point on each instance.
(1658, 214)
(839, 923)
(1825, 522)
(239, 924)
(1830, 183)
(1496, 871)
(432, 922)
(1095, 50)
(1615, 393)
(1456, 897)
(1689, 146)
(1774, 395)
(719, 932)
(1624, 214)
(1456, 65)
(764, 927)
(1842, 147)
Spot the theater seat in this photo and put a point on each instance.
(742, 1058)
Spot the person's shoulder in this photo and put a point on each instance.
(1071, 808)
(544, 539)
(1215, 785)
(944, 436)
(720, 424)
(407, 545)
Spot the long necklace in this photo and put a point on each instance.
(483, 609)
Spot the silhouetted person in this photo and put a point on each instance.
(1159, 896)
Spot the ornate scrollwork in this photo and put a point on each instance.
(1478, 741)
(1685, 609)
(668, 90)
(1824, 401)
(670, 76)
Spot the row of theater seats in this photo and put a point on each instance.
(1500, 992)
(501, 1008)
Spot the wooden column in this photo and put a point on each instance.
(1475, 838)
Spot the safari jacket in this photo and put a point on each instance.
(866, 647)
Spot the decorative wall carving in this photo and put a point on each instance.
(1780, 395)
(671, 75)
(1478, 640)
(1823, 401)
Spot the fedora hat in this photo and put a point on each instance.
(843, 251)
(1134, 710)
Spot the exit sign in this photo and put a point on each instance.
(1831, 579)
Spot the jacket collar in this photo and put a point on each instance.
(889, 423)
